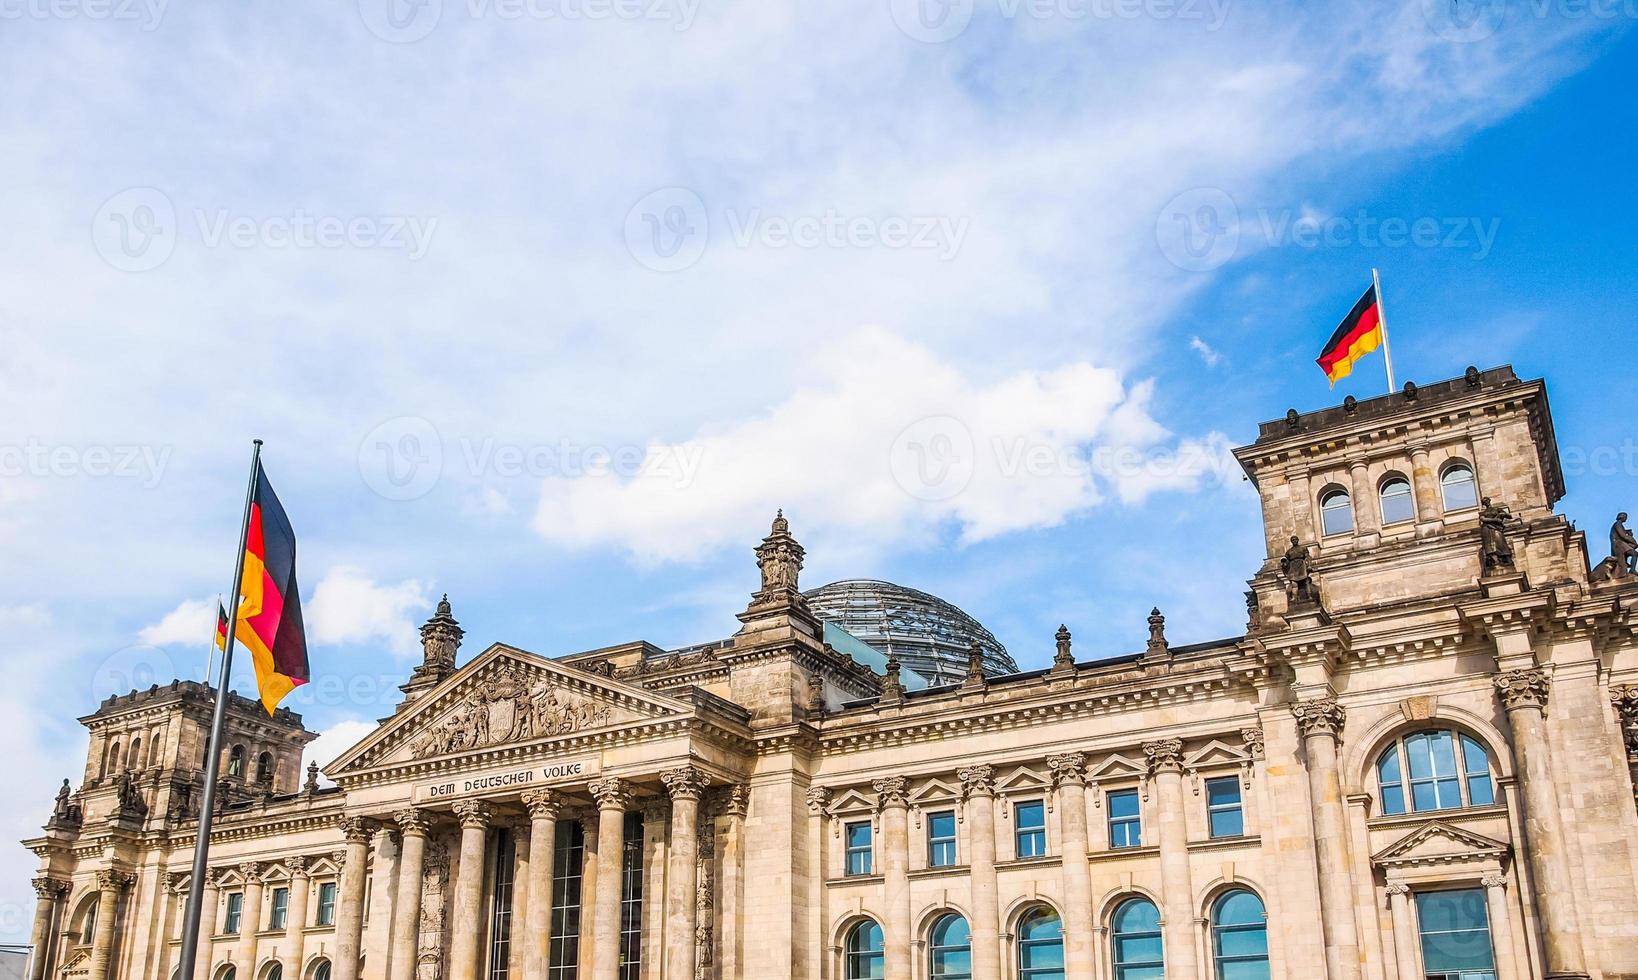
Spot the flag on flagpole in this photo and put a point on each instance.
(268, 621)
(221, 625)
(1359, 334)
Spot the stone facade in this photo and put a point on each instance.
(765, 807)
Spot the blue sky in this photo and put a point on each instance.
(982, 302)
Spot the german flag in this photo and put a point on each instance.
(269, 617)
(221, 625)
(1359, 334)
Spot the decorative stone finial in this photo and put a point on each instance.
(1158, 647)
(440, 641)
(1063, 660)
(311, 785)
(1472, 376)
(892, 684)
(975, 679)
(779, 558)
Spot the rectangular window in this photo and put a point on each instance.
(631, 900)
(1029, 823)
(568, 859)
(1125, 822)
(1455, 930)
(941, 839)
(859, 860)
(235, 911)
(281, 908)
(500, 911)
(327, 904)
(1223, 807)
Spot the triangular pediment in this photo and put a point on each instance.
(935, 790)
(1116, 767)
(505, 697)
(1216, 753)
(1438, 842)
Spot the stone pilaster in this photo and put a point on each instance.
(350, 900)
(211, 907)
(467, 931)
(1523, 694)
(544, 808)
(1069, 779)
(1406, 942)
(612, 799)
(892, 798)
(378, 933)
(731, 889)
(978, 794)
(110, 883)
(685, 785)
(295, 918)
(819, 867)
(48, 897)
(1177, 892)
(1501, 925)
(406, 910)
(1320, 722)
(250, 916)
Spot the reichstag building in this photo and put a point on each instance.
(1416, 763)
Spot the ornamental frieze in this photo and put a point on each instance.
(507, 707)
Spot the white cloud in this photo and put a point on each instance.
(189, 624)
(333, 741)
(889, 442)
(350, 607)
(1207, 352)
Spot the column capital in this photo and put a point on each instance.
(891, 791)
(611, 793)
(297, 866)
(1494, 880)
(977, 780)
(49, 888)
(543, 804)
(113, 879)
(1398, 888)
(1068, 768)
(213, 877)
(1319, 716)
(1253, 739)
(685, 782)
(1524, 688)
(339, 856)
(251, 871)
(413, 821)
(473, 814)
(1164, 754)
(171, 881)
(734, 800)
(818, 800)
(355, 830)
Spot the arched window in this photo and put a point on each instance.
(1336, 512)
(322, 970)
(1239, 936)
(1397, 502)
(1138, 954)
(264, 767)
(274, 972)
(115, 758)
(90, 926)
(136, 754)
(108, 752)
(227, 973)
(1438, 770)
(1041, 946)
(1459, 488)
(864, 952)
(236, 761)
(951, 949)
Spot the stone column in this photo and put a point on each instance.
(685, 785)
(406, 910)
(110, 882)
(350, 900)
(1069, 778)
(1524, 694)
(48, 894)
(211, 907)
(378, 935)
(1501, 925)
(1406, 942)
(1367, 508)
(978, 796)
(250, 917)
(589, 881)
(1320, 722)
(892, 798)
(522, 851)
(544, 807)
(1425, 486)
(465, 942)
(731, 889)
(1176, 888)
(295, 918)
(612, 799)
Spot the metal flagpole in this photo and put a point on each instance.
(213, 760)
(1382, 320)
(210, 651)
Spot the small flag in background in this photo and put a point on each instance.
(1360, 333)
(269, 617)
(221, 626)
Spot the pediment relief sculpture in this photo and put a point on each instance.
(510, 706)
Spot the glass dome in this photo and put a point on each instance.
(927, 634)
